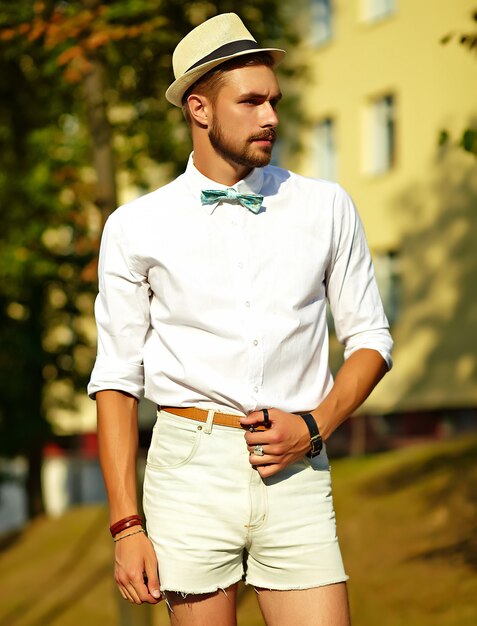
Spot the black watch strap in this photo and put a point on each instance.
(316, 441)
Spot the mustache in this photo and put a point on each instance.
(269, 135)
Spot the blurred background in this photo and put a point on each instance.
(381, 96)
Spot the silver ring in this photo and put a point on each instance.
(258, 450)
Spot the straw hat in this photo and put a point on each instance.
(211, 43)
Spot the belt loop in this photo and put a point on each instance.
(210, 421)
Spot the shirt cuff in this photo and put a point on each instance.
(112, 374)
(381, 342)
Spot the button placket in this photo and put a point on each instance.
(249, 323)
(254, 325)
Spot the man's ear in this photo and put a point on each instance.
(199, 109)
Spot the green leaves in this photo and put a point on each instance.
(468, 139)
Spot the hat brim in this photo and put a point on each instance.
(176, 91)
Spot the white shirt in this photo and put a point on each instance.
(214, 306)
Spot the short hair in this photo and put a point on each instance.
(210, 83)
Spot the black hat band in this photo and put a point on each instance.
(227, 49)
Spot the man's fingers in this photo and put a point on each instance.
(267, 448)
(266, 459)
(263, 437)
(259, 447)
(152, 580)
(260, 418)
(125, 594)
(128, 592)
(135, 589)
(271, 469)
(132, 593)
(141, 587)
(254, 416)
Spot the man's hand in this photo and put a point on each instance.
(135, 569)
(286, 441)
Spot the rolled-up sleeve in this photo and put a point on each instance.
(122, 316)
(358, 314)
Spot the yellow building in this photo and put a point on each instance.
(381, 88)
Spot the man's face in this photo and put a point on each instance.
(244, 119)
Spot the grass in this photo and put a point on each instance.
(407, 525)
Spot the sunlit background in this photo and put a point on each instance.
(381, 96)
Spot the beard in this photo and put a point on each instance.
(248, 155)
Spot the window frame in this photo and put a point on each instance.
(323, 23)
(325, 167)
(378, 10)
(380, 134)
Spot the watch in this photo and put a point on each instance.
(316, 442)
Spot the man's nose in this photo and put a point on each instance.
(269, 116)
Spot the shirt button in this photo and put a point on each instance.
(247, 304)
(240, 265)
(255, 389)
(255, 342)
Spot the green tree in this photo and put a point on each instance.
(66, 68)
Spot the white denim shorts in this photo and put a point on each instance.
(213, 520)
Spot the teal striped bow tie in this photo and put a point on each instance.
(250, 201)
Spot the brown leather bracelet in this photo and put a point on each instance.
(126, 522)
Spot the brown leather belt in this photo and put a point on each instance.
(201, 415)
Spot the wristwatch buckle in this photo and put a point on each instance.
(316, 443)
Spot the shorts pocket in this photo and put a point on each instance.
(174, 442)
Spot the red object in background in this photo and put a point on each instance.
(89, 445)
(85, 446)
(53, 450)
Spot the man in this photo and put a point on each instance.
(212, 297)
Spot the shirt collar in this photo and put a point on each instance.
(197, 182)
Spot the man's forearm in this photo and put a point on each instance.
(117, 437)
(355, 380)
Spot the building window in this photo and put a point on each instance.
(324, 157)
(375, 10)
(320, 21)
(381, 131)
(388, 277)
